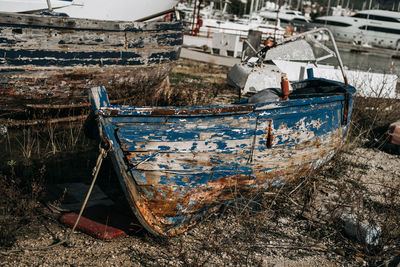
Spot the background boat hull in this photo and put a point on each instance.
(48, 60)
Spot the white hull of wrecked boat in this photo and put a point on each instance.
(294, 57)
(131, 10)
(369, 84)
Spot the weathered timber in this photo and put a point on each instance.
(177, 164)
(47, 60)
(36, 122)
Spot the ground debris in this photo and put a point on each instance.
(297, 224)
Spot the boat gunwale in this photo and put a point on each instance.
(108, 110)
(215, 110)
(207, 111)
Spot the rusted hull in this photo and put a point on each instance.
(51, 61)
(177, 164)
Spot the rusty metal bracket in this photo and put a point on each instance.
(346, 108)
(270, 137)
(105, 143)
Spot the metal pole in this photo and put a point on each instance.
(198, 10)
(49, 6)
(277, 19)
(225, 7)
(251, 7)
(194, 15)
(329, 6)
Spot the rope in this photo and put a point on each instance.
(95, 173)
(96, 169)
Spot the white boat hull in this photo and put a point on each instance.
(255, 79)
(93, 9)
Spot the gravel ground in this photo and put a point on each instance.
(297, 224)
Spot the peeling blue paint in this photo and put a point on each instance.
(207, 155)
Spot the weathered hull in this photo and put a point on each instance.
(48, 60)
(177, 164)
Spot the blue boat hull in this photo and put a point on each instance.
(178, 164)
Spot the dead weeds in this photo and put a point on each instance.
(299, 223)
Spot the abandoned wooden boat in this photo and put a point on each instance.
(49, 62)
(131, 10)
(177, 164)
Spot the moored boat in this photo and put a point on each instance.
(379, 28)
(48, 62)
(177, 164)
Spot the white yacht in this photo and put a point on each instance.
(379, 28)
(286, 17)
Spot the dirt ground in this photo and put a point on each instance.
(298, 224)
(277, 228)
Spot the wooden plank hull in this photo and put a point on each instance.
(48, 60)
(178, 164)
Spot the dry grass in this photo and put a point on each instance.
(19, 203)
(371, 118)
(299, 222)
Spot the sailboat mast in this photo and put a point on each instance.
(277, 19)
(194, 16)
(329, 6)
